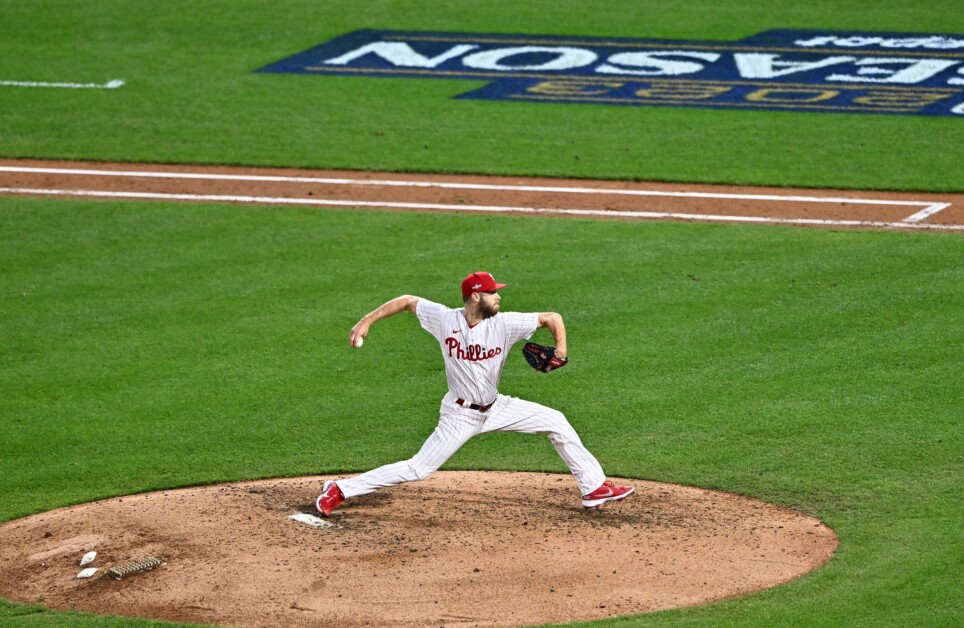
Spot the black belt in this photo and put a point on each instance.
(474, 406)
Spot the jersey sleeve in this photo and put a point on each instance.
(519, 326)
(430, 316)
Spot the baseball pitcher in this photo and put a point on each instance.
(475, 341)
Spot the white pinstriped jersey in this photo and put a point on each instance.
(474, 356)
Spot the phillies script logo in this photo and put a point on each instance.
(472, 353)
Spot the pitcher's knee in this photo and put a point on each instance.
(556, 419)
(558, 424)
(420, 472)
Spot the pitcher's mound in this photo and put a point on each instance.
(478, 548)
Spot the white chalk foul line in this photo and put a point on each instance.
(267, 200)
(928, 207)
(927, 212)
(108, 85)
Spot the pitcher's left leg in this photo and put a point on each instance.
(517, 415)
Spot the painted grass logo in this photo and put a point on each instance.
(821, 71)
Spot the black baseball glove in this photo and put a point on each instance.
(541, 358)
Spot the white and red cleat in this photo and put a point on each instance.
(329, 499)
(608, 492)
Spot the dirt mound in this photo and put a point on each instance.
(461, 548)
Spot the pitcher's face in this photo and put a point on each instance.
(489, 304)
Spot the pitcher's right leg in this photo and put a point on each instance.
(451, 433)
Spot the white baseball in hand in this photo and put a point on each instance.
(359, 341)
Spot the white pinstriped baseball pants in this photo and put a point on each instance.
(457, 425)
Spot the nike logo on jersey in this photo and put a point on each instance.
(456, 331)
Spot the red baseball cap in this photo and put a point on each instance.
(480, 282)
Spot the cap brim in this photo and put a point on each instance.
(499, 286)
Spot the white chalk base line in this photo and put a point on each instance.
(927, 212)
(266, 200)
(114, 84)
(929, 208)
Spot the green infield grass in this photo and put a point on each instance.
(191, 94)
(147, 346)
